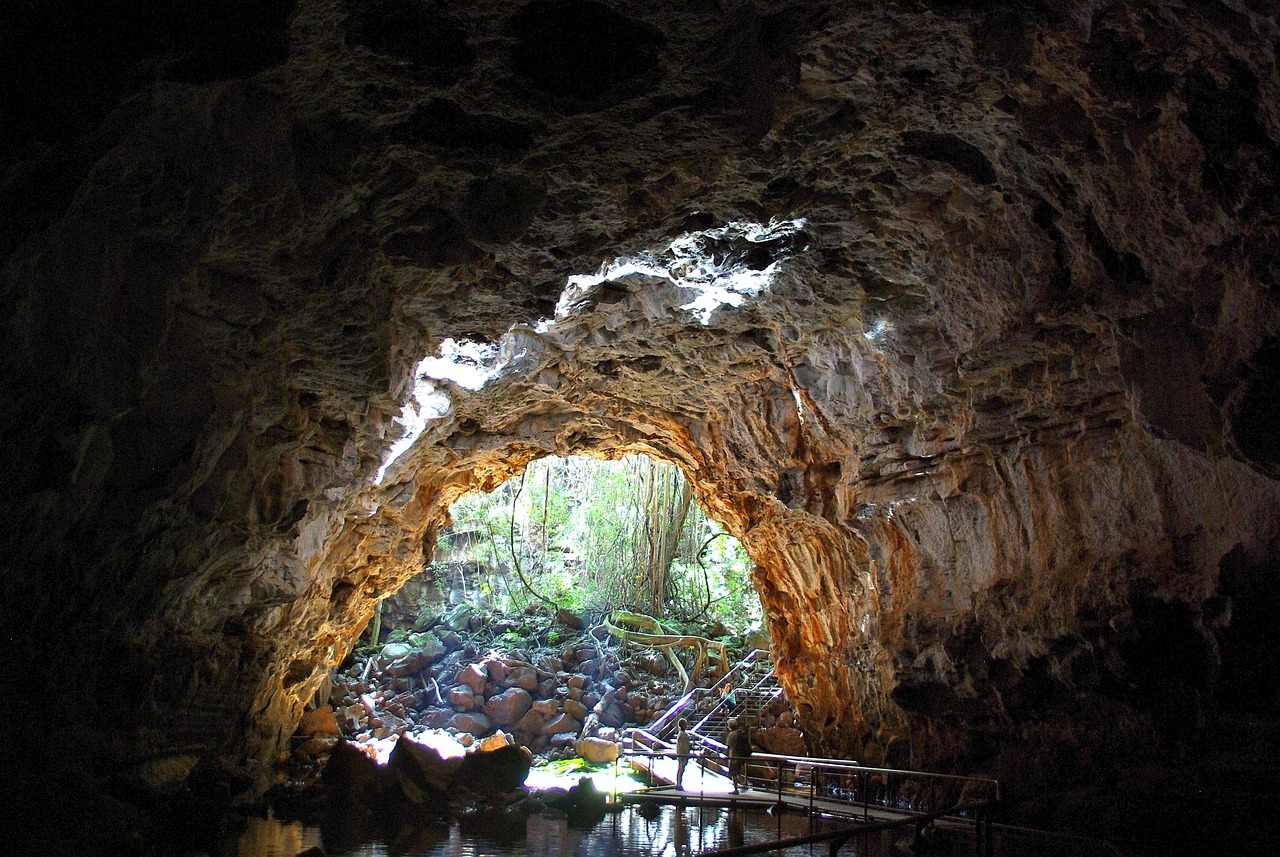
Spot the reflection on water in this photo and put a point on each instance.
(671, 832)
(269, 837)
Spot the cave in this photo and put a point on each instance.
(961, 317)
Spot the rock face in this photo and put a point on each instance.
(962, 317)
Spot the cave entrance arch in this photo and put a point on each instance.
(679, 354)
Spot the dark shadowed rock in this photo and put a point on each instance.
(495, 771)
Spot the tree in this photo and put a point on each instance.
(586, 533)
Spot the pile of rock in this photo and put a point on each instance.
(576, 700)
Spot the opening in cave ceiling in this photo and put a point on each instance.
(696, 274)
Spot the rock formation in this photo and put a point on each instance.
(961, 316)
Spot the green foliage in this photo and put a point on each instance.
(587, 535)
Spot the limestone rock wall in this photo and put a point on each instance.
(961, 316)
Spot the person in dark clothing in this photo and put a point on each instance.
(738, 745)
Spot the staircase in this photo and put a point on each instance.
(757, 687)
(742, 692)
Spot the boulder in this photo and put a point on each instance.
(350, 773)
(457, 619)
(609, 711)
(414, 662)
(570, 619)
(462, 698)
(524, 677)
(476, 723)
(547, 707)
(531, 723)
(597, 751)
(780, 740)
(318, 746)
(561, 723)
(509, 706)
(494, 771)
(436, 718)
(319, 721)
(495, 741)
(423, 770)
(392, 651)
(351, 717)
(496, 669)
(430, 644)
(473, 676)
(575, 709)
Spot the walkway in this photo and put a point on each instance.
(886, 802)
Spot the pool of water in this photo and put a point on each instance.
(672, 831)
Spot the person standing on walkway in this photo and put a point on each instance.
(738, 745)
(682, 751)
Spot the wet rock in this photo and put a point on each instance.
(509, 706)
(421, 773)
(350, 773)
(494, 771)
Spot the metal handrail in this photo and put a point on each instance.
(661, 725)
(860, 802)
(865, 780)
(719, 706)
